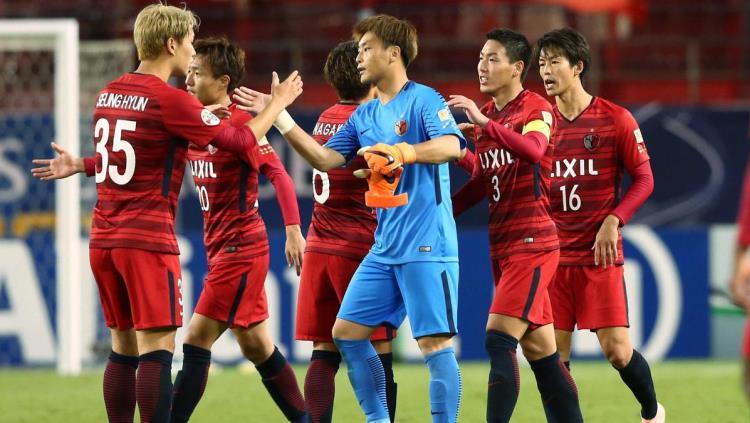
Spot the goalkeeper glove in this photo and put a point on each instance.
(382, 189)
(383, 158)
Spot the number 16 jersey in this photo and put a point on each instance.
(590, 154)
(141, 130)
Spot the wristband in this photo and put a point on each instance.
(284, 122)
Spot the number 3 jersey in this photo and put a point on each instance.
(517, 190)
(142, 127)
(227, 188)
(341, 223)
(586, 177)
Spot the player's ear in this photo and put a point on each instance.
(517, 68)
(171, 46)
(578, 68)
(394, 53)
(224, 80)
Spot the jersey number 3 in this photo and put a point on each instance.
(101, 131)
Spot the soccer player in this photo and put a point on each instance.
(233, 293)
(594, 141)
(339, 237)
(412, 269)
(141, 128)
(512, 134)
(740, 284)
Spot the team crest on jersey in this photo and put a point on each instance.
(401, 127)
(591, 142)
(209, 118)
(211, 149)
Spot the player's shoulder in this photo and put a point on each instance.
(422, 91)
(239, 117)
(534, 100)
(617, 112)
(338, 112)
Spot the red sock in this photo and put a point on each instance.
(320, 385)
(119, 387)
(153, 386)
(278, 378)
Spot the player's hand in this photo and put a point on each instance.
(62, 166)
(385, 159)
(470, 108)
(221, 112)
(250, 100)
(382, 188)
(605, 246)
(287, 91)
(739, 288)
(467, 129)
(295, 247)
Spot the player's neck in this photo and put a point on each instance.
(158, 68)
(573, 102)
(506, 94)
(390, 85)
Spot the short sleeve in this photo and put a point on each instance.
(185, 117)
(631, 149)
(346, 140)
(437, 117)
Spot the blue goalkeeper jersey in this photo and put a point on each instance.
(424, 229)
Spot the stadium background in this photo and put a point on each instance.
(681, 67)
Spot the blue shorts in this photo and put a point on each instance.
(426, 291)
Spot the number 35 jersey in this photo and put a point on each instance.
(590, 154)
(341, 223)
(142, 127)
(517, 190)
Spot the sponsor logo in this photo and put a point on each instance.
(209, 118)
(547, 117)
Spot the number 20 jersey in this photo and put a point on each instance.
(141, 130)
(341, 223)
(590, 154)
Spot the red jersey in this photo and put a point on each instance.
(341, 223)
(227, 187)
(517, 190)
(590, 154)
(141, 128)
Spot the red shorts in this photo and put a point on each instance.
(138, 288)
(521, 282)
(746, 342)
(590, 297)
(325, 278)
(234, 292)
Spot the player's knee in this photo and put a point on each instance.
(617, 353)
(430, 344)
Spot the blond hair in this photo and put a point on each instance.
(157, 23)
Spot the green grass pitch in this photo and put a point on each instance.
(692, 391)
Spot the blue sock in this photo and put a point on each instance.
(445, 385)
(366, 376)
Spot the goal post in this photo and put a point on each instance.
(61, 36)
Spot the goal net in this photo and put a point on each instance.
(48, 82)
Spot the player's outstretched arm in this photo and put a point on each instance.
(282, 95)
(62, 166)
(319, 157)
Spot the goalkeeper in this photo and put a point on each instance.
(412, 269)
